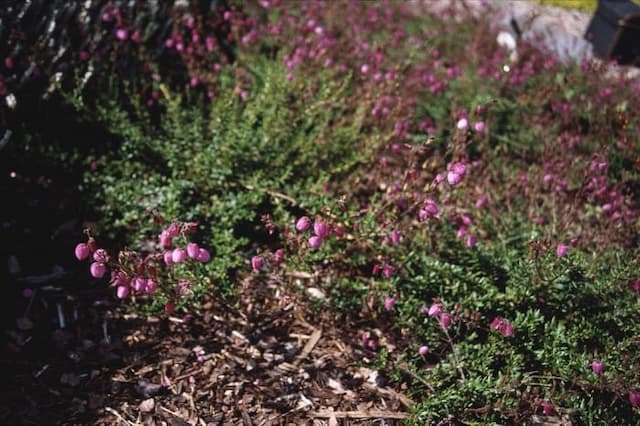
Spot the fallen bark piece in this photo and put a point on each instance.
(370, 414)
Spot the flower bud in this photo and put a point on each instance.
(256, 263)
(321, 229)
(193, 250)
(97, 269)
(303, 224)
(389, 302)
(100, 255)
(169, 307)
(435, 310)
(453, 178)
(139, 284)
(634, 398)
(151, 287)
(315, 242)
(168, 257)
(423, 350)
(445, 320)
(165, 239)
(547, 408)
(462, 124)
(597, 367)
(203, 255)
(562, 250)
(479, 126)
(82, 251)
(122, 292)
(178, 255)
(278, 256)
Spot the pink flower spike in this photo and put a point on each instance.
(97, 269)
(634, 398)
(435, 309)
(597, 367)
(303, 224)
(193, 250)
(178, 255)
(256, 263)
(82, 251)
(122, 292)
(389, 302)
(315, 242)
(423, 350)
(203, 255)
(562, 250)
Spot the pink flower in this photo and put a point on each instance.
(122, 34)
(431, 207)
(387, 271)
(562, 250)
(8, 62)
(445, 320)
(634, 398)
(479, 126)
(462, 124)
(423, 350)
(140, 284)
(97, 269)
(394, 237)
(315, 242)
(321, 229)
(389, 301)
(178, 255)
(364, 69)
(122, 292)
(193, 250)
(165, 239)
(256, 263)
(453, 178)
(169, 307)
(100, 255)
(471, 240)
(168, 257)
(547, 408)
(278, 256)
(203, 255)
(597, 367)
(303, 224)
(82, 251)
(435, 309)
(503, 326)
(151, 287)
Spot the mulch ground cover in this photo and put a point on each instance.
(270, 359)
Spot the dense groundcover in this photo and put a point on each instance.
(460, 220)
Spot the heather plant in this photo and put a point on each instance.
(471, 209)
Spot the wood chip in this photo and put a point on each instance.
(311, 343)
(371, 414)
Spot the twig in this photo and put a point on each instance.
(370, 414)
(308, 347)
(118, 415)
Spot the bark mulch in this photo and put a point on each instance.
(268, 360)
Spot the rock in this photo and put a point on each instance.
(316, 293)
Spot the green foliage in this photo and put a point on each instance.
(227, 164)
